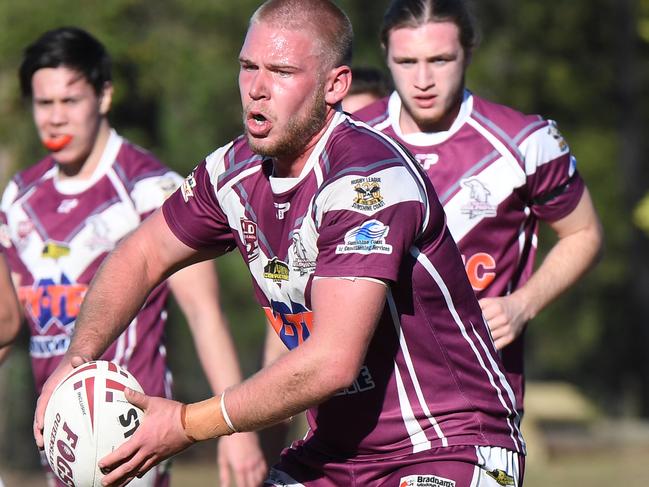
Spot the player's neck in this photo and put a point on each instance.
(291, 166)
(86, 168)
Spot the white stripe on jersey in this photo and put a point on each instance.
(515, 435)
(503, 150)
(416, 434)
(539, 148)
(428, 265)
(340, 194)
(500, 177)
(412, 165)
(406, 409)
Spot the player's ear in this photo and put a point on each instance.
(338, 82)
(106, 98)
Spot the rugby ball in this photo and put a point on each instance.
(86, 418)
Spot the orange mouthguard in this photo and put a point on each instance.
(57, 144)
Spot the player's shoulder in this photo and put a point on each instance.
(135, 162)
(32, 175)
(231, 160)
(374, 113)
(504, 118)
(354, 146)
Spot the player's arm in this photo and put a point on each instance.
(9, 307)
(578, 246)
(345, 316)
(117, 292)
(274, 348)
(196, 290)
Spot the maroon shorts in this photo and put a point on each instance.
(456, 466)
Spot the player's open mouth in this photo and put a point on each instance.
(257, 124)
(56, 143)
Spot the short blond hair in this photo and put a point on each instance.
(326, 20)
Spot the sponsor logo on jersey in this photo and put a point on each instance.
(301, 263)
(100, 238)
(292, 322)
(5, 239)
(276, 270)
(55, 250)
(67, 205)
(425, 481)
(500, 476)
(369, 238)
(187, 188)
(368, 194)
(53, 304)
(553, 131)
(167, 186)
(427, 160)
(249, 237)
(479, 199)
(364, 382)
(480, 268)
(281, 209)
(48, 345)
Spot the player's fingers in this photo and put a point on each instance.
(123, 472)
(78, 360)
(136, 398)
(224, 472)
(38, 433)
(257, 475)
(148, 465)
(502, 342)
(489, 307)
(117, 459)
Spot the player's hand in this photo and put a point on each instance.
(240, 457)
(61, 371)
(159, 436)
(506, 317)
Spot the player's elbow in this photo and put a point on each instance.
(339, 373)
(595, 236)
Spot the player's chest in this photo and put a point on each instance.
(47, 226)
(279, 243)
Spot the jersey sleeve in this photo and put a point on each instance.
(149, 193)
(368, 223)
(554, 184)
(194, 215)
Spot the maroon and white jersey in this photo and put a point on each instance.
(59, 231)
(361, 208)
(497, 173)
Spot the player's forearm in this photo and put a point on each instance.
(217, 354)
(116, 294)
(9, 309)
(570, 258)
(295, 382)
(209, 327)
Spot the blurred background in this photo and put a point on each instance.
(583, 63)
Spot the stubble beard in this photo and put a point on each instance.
(297, 134)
